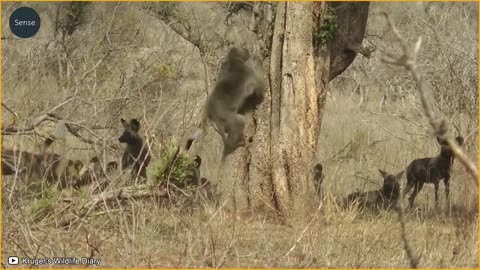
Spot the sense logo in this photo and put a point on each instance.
(24, 22)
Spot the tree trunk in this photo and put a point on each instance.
(294, 107)
(273, 174)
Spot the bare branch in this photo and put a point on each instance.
(408, 60)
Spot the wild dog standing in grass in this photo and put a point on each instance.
(431, 170)
(136, 153)
(193, 178)
(204, 189)
(52, 167)
(318, 179)
(94, 173)
(384, 198)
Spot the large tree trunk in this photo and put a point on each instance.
(274, 172)
(294, 116)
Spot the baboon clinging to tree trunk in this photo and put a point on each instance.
(240, 89)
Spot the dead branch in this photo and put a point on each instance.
(126, 193)
(28, 129)
(413, 259)
(409, 61)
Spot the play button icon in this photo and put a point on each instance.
(13, 260)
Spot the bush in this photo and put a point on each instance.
(170, 165)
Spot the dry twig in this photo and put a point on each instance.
(409, 61)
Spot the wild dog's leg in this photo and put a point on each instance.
(437, 201)
(408, 187)
(417, 187)
(447, 188)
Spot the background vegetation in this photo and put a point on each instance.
(92, 63)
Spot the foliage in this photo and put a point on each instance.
(328, 30)
(171, 164)
(43, 206)
(166, 71)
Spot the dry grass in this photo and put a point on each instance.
(143, 234)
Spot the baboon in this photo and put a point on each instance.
(240, 89)
(136, 152)
(431, 170)
(384, 198)
(318, 179)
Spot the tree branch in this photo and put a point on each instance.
(409, 61)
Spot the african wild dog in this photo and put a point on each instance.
(94, 173)
(136, 153)
(36, 166)
(431, 170)
(318, 179)
(385, 198)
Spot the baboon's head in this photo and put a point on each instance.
(240, 54)
(318, 173)
(111, 166)
(197, 161)
(391, 182)
(130, 134)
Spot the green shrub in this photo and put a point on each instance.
(328, 30)
(164, 167)
(43, 206)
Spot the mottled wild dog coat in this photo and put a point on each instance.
(136, 153)
(93, 173)
(52, 167)
(431, 170)
(384, 198)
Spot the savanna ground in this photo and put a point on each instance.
(359, 134)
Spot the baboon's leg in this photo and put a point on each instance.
(235, 137)
(437, 201)
(417, 187)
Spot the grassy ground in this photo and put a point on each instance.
(357, 138)
(144, 234)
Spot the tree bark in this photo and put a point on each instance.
(273, 174)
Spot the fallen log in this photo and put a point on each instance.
(125, 193)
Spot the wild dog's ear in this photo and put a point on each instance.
(459, 140)
(441, 141)
(78, 165)
(384, 174)
(135, 125)
(318, 168)
(399, 175)
(197, 161)
(124, 123)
